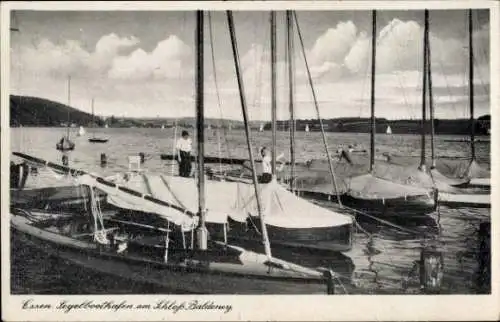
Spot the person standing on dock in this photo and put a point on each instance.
(184, 147)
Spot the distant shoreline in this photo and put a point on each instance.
(38, 112)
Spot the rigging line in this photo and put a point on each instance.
(361, 104)
(325, 142)
(179, 74)
(480, 74)
(258, 96)
(210, 31)
(291, 94)
(219, 101)
(405, 98)
(265, 238)
(441, 65)
(483, 51)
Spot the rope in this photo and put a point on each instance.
(217, 92)
(398, 77)
(340, 283)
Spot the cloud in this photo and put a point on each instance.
(170, 59)
(69, 58)
(107, 48)
(160, 81)
(334, 44)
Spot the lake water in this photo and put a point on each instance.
(383, 255)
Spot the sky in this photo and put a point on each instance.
(141, 64)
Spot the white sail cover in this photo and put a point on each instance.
(132, 202)
(236, 200)
(369, 186)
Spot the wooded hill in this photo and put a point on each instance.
(34, 111)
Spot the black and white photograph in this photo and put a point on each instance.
(210, 149)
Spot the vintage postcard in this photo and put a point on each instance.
(270, 161)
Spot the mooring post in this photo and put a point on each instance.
(104, 160)
(330, 284)
(431, 270)
(65, 160)
(484, 258)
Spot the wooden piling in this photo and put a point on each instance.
(431, 270)
(104, 160)
(330, 284)
(483, 281)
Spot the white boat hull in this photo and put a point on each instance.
(465, 199)
(480, 182)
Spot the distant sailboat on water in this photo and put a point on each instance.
(106, 125)
(261, 128)
(307, 128)
(95, 139)
(388, 130)
(65, 144)
(81, 131)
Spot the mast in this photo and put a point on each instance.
(69, 104)
(431, 104)
(201, 232)
(289, 34)
(471, 89)
(372, 92)
(323, 135)
(93, 115)
(234, 46)
(424, 89)
(273, 89)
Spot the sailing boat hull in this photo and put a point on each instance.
(409, 206)
(333, 238)
(97, 140)
(66, 146)
(480, 182)
(54, 198)
(469, 200)
(216, 278)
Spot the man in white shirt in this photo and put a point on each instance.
(267, 171)
(184, 147)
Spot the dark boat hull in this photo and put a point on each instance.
(212, 277)
(411, 206)
(332, 238)
(96, 140)
(52, 198)
(64, 148)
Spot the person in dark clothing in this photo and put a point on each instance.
(184, 147)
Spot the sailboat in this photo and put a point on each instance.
(261, 128)
(450, 192)
(65, 144)
(81, 131)
(307, 128)
(95, 139)
(383, 197)
(177, 255)
(285, 213)
(388, 130)
(478, 176)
